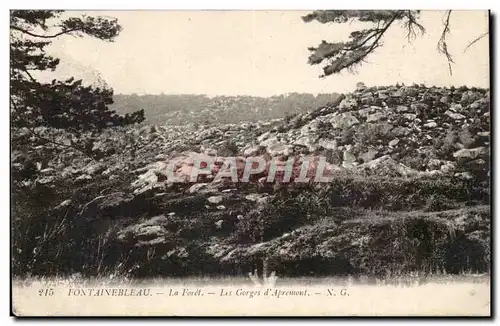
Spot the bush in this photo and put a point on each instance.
(50, 238)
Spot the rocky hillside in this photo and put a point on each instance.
(411, 192)
(201, 109)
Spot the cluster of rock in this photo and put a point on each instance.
(399, 130)
(405, 131)
(434, 127)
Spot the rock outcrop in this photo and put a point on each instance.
(434, 139)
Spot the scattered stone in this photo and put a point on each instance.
(83, 177)
(448, 167)
(142, 233)
(483, 134)
(445, 99)
(328, 143)
(398, 93)
(365, 112)
(382, 96)
(215, 199)
(278, 149)
(255, 196)
(344, 121)
(349, 159)
(95, 169)
(306, 141)
(348, 103)
(374, 164)
(369, 155)
(367, 99)
(456, 116)
(469, 97)
(264, 136)
(409, 116)
(197, 187)
(400, 131)
(471, 153)
(464, 175)
(393, 142)
(269, 141)
(375, 117)
(479, 162)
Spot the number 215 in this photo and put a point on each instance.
(46, 292)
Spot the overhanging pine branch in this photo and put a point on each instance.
(442, 45)
(338, 66)
(43, 36)
(475, 40)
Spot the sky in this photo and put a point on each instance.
(263, 53)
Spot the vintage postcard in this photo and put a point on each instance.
(250, 163)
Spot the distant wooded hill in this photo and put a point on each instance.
(182, 109)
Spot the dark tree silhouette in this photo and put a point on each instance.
(62, 104)
(339, 56)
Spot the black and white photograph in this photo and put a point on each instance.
(250, 163)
